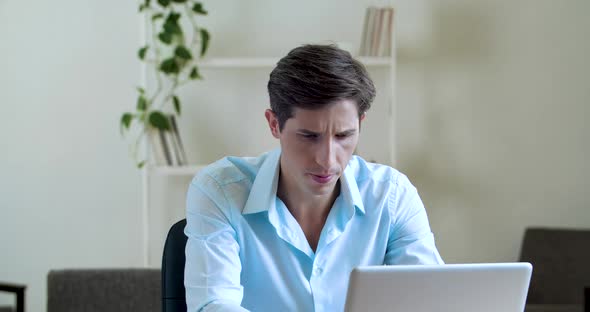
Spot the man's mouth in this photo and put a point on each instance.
(321, 178)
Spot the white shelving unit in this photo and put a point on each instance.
(150, 171)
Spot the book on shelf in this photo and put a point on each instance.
(377, 32)
(363, 47)
(384, 47)
(159, 158)
(367, 37)
(179, 148)
(169, 136)
(167, 146)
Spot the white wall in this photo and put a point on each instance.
(70, 196)
(491, 101)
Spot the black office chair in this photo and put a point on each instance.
(173, 292)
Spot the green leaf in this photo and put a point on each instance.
(204, 41)
(172, 28)
(126, 121)
(141, 103)
(183, 53)
(176, 102)
(173, 16)
(198, 8)
(171, 25)
(157, 16)
(158, 120)
(195, 73)
(144, 5)
(169, 66)
(141, 90)
(165, 37)
(141, 52)
(164, 3)
(141, 164)
(179, 1)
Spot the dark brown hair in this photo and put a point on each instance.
(313, 76)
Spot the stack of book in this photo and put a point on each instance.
(167, 147)
(377, 32)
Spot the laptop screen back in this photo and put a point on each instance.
(480, 287)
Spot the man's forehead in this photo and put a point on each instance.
(318, 120)
(343, 107)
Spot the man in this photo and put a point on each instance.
(281, 232)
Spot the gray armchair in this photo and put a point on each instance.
(101, 290)
(561, 268)
(114, 290)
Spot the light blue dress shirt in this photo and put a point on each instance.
(245, 250)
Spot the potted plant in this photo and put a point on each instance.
(171, 52)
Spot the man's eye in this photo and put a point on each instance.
(309, 136)
(343, 135)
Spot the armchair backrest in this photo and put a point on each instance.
(97, 290)
(561, 264)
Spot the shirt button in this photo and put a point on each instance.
(317, 271)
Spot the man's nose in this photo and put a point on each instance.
(325, 154)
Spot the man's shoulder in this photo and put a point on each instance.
(229, 181)
(371, 172)
(229, 170)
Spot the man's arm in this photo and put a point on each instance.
(213, 267)
(410, 239)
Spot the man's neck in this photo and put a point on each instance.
(311, 212)
(306, 206)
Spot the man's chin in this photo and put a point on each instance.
(323, 189)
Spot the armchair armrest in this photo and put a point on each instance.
(19, 290)
(587, 299)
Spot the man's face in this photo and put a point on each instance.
(316, 146)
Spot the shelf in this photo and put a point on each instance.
(266, 62)
(238, 62)
(176, 171)
(372, 61)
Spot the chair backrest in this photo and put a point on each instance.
(561, 269)
(98, 290)
(173, 292)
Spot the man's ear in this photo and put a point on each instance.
(361, 118)
(273, 123)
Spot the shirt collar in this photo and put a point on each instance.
(349, 189)
(264, 188)
(263, 194)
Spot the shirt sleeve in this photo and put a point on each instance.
(410, 239)
(213, 267)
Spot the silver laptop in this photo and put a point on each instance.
(483, 287)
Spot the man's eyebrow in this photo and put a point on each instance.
(305, 131)
(347, 132)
